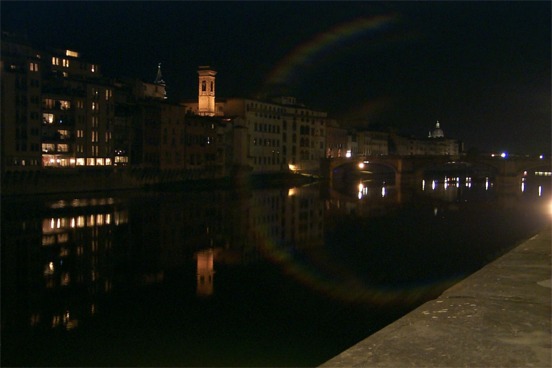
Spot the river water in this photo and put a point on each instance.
(287, 276)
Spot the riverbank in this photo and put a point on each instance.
(100, 179)
(498, 317)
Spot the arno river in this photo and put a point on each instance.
(249, 277)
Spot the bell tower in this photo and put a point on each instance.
(206, 91)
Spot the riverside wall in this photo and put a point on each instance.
(51, 181)
(96, 179)
(498, 317)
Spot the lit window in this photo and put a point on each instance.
(33, 67)
(63, 148)
(93, 68)
(55, 61)
(71, 53)
(65, 105)
(48, 118)
(48, 103)
(48, 239)
(48, 147)
(65, 63)
(65, 279)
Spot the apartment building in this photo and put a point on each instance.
(336, 141)
(372, 143)
(281, 134)
(21, 114)
(57, 109)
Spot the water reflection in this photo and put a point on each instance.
(454, 189)
(63, 249)
(65, 261)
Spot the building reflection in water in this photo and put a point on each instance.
(205, 272)
(72, 253)
(61, 258)
(62, 250)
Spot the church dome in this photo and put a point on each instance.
(437, 132)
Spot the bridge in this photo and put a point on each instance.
(507, 171)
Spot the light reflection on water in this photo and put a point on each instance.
(202, 271)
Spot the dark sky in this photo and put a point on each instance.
(483, 69)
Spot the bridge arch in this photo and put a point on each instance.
(508, 172)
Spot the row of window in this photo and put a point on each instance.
(57, 161)
(267, 160)
(54, 104)
(21, 146)
(266, 142)
(268, 128)
(23, 162)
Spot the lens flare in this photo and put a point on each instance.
(310, 51)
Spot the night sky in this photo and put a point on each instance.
(483, 69)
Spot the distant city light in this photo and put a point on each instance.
(503, 155)
(361, 165)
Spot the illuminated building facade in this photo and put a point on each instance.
(206, 91)
(336, 141)
(371, 143)
(61, 112)
(281, 135)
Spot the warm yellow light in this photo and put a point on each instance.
(550, 208)
(361, 165)
(292, 167)
(71, 53)
(292, 192)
